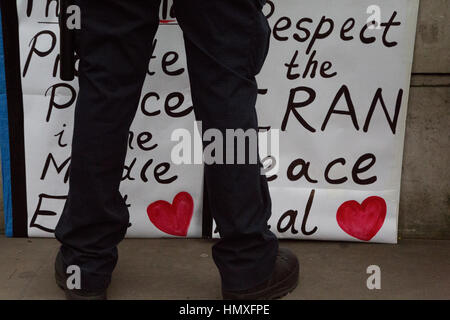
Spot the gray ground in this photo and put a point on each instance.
(184, 269)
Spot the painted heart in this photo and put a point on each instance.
(172, 218)
(362, 221)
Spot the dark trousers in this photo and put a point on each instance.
(226, 44)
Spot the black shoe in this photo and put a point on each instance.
(74, 294)
(284, 280)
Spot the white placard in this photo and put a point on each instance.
(336, 90)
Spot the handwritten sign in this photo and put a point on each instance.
(335, 85)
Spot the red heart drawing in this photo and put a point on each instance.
(362, 221)
(172, 218)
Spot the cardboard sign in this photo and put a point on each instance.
(334, 89)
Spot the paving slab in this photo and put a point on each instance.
(184, 269)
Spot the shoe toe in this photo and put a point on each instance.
(287, 259)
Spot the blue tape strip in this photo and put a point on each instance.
(4, 143)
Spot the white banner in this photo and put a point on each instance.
(335, 88)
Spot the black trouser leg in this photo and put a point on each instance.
(226, 45)
(114, 47)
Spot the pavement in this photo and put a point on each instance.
(184, 269)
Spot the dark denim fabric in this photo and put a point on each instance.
(226, 44)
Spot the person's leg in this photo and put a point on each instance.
(114, 45)
(226, 45)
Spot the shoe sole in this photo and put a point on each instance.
(71, 294)
(276, 291)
